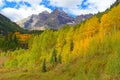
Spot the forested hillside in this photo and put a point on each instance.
(6, 25)
(89, 51)
(8, 40)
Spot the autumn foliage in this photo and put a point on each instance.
(92, 46)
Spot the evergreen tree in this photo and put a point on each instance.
(59, 58)
(44, 66)
(15, 39)
(53, 59)
(71, 45)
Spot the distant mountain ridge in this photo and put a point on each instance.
(53, 20)
(81, 18)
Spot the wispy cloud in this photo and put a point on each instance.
(23, 12)
(16, 14)
(76, 7)
(32, 2)
(1, 3)
(66, 3)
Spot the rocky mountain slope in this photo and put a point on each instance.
(53, 20)
(81, 18)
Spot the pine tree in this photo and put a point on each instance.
(71, 45)
(59, 58)
(53, 59)
(15, 39)
(44, 66)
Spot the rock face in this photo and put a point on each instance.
(81, 18)
(34, 21)
(53, 20)
(57, 19)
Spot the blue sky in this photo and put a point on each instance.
(20, 9)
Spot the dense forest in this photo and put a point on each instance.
(87, 51)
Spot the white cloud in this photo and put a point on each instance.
(69, 6)
(65, 3)
(81, 11)
(23, 12)
(29, 1)
(100, 5)
(1, 3)
(93, 6)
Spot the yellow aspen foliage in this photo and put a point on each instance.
(111, 21)
(106, 25)
(84, 44)
(69, 36)
(83, 35)
(77, 37)
(91, 27)
(115, 17)
(60, 42)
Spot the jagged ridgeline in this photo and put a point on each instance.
(89, 51)
(54, 20)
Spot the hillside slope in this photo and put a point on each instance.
(6, 25)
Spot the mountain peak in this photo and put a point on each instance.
(53, 20)
(58, 11)
(45, 12)
(81, 18)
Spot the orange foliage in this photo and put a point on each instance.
(22, 37)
